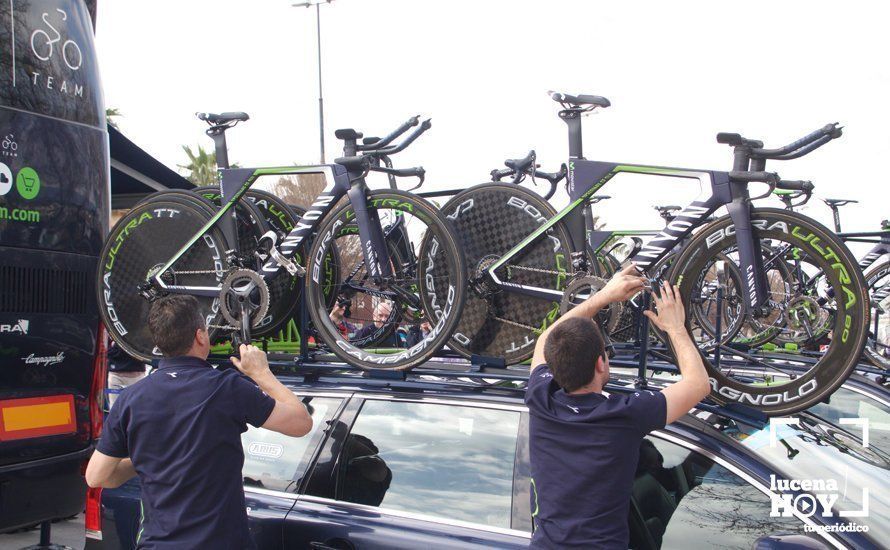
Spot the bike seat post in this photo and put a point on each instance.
(218, 135)
(572, 118)
(836, 215)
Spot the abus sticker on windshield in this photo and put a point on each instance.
(265, 450)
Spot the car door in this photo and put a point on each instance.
(412, 473)
(274, 466)
(682, 494)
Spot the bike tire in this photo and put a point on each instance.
(851, 321)
(441, 289)
(877, 280)
(143, 240)
(490, 219)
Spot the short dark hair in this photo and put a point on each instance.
(173, 321)
(571, 351)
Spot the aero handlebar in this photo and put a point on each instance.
(376, 150)
(410, 123)
(802, 146)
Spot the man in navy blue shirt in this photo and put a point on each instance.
(180, 428)
(584, 445)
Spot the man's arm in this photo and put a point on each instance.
(289, 416)
(620, 287)
(681, 396)
(108, 471)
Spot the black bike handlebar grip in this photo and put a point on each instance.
(797, 185)
(499, 174)
(750, 177)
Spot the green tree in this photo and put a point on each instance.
(112, 113)
(201, 166)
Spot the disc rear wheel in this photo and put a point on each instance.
(139, 245)
(491, 219)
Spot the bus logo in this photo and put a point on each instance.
(19, 328)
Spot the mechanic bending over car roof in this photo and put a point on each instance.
(180, 428)
(584, 446)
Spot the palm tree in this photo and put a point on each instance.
(110, 114)
(201, 166)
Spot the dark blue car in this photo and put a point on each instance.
(441, 461)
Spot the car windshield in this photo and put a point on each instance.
(832, 461)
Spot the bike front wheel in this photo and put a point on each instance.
(426, 290)
(877, 350)
(778, 389)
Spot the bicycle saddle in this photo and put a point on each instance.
(223, 118)
(838, 202)
(523, 164)
(595, 100)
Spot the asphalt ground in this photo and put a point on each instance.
(68, 533)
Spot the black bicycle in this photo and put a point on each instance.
(184, 243)
(527, 261)
(875, 265)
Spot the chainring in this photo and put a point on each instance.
(588, 285)
(238, 286)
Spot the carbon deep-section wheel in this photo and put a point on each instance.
(491, 219)
(877, 349)
(139, 245)
(775, 391)
(426, 290)
(285, 290)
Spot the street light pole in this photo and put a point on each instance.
(317, 5)
(320, 96)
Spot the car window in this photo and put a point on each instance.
(275, 461)
(449, 461)
(683, 496)
(845, 403)
(834, 461)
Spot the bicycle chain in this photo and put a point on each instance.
(516, 324)
(541, 270)
(536, 330)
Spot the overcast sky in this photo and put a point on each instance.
(676, 73)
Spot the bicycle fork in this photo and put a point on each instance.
(750, 259)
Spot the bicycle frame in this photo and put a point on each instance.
(235, 182)
(587, 177)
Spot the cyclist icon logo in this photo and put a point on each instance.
(9, 146)
(43, 43)
(27, 182)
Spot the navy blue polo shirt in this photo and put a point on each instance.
(584, 451)
(182, 428)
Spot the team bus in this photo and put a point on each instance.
(54, 213)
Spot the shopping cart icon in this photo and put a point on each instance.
(28, 182)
